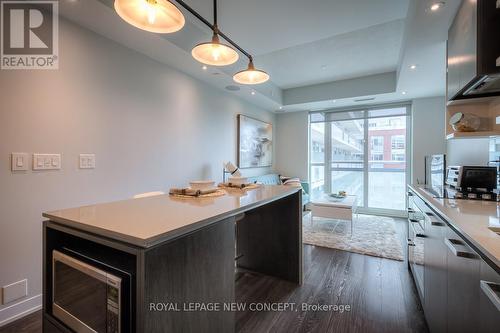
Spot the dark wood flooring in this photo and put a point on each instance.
(380, 292)
(31, 323)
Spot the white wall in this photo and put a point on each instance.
(150, 126)
(428, 133)
(292, 144)
(468, 151)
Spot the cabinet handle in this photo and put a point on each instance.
(437, 223)
(450, 243)
(411, 210)
(420, 235)
(490, 293)
(410, 242)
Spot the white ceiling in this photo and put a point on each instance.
(300, 43)
(265, 26)
(353, 54)
(308, 42)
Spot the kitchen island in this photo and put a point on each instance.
(454, 255)
(178, 252)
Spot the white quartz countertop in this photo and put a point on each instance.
(471, 218)
(149, 221)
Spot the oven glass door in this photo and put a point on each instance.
(81, 295)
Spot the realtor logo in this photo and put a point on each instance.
(29, 34)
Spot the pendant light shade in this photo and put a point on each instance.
(160, 16)
(215, 53)
(251, 75)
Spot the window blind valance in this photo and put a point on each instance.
(360, 113)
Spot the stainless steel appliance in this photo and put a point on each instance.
(472, 182)
(86, 297)
(435, 169)
(473, 51)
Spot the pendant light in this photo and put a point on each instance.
(160, 16)
(215, 53)
(251, 75)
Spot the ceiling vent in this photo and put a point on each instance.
(232, 88)
(364, 99)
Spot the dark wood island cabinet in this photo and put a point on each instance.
(174, 259)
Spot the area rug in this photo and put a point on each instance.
(372, 235)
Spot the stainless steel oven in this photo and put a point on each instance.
(86, 297)
(416, 235)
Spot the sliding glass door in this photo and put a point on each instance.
(363, 152)
(347, 157)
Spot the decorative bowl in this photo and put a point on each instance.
(202, 184)
(238, 180)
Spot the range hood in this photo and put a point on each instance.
(484, 85)
(474, 51)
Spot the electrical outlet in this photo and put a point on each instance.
(19, 161)
(46, 161)
(14, 291)
(87, 161)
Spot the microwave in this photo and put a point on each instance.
(472, 177)
(89, 296)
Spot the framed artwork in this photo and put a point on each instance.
(255, 143)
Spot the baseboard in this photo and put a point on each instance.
(19, 310)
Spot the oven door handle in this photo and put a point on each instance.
(490, 293)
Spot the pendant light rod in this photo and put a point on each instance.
(213, 27)
(215, 13)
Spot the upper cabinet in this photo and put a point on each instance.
(474, 51)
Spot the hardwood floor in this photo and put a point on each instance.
(32, 323)
(380, 292)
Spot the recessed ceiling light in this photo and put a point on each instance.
(204, 67)
(413, 66)
(437, 5)
(281, 107)
(334, 101)
(403, 92)
(253, 93)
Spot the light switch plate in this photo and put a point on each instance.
(19, 161)
(87, 161)
(14, 291)
(46, 161)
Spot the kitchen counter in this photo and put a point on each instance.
(471, 218)
(149, 221)
(177, 250)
